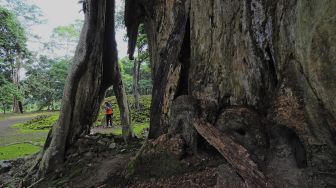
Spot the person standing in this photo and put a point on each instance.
(108, 114)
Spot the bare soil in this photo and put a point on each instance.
(96, 162)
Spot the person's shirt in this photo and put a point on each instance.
(108, 109)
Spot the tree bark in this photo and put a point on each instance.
(16, 78)
(260, 55)
(166, 63)
(16, 105)
(121, 96)
(4, 108)
(136, 75)
(234, 153)
(94, 70)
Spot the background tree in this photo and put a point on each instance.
(142, 57)
(145, 79)
(45, 80)
(138, 83)
(126, 71)
(7, 92)
(13, 50)
(28, 14)
(64, 39)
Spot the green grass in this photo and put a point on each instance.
(137, 129)
(27, 114)
(38, 141)
(17, 150)
(44, 121)
(27, 139)
(41, 123)
(138, 117)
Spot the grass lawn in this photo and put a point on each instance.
(29, 137)
(137, 129)
(41, 123)
(18, 150)
(25, 114)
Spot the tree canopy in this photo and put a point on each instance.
(12, 40)
(28, 14)
(45, 81)
(65, 38)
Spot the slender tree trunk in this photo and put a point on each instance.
(136, 75)
(121, 96)
(15, 76)
(15, 105)
(93, 70)
(138, 79)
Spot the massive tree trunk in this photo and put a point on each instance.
(261, 71)
(166, 63)
(94, 69)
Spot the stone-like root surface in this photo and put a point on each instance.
(105, 161)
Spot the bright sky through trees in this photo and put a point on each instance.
(65, 12)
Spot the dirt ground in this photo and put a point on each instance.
(102, 160)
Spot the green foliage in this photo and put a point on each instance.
(145, 82)
(13, 37)
(12, 42)
(142, 45)
(137, 129)
(142, 57)
(42, 122)
(7, 92)
(13, 52)
(126, 67)
(65, 38)
(70, 32)
(17, 150)
(58, 74)
(45, 81)
(28, 14)
(138, 117)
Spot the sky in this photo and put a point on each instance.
(65, 12)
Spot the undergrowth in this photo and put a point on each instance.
(138, 117)
(40, 123)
